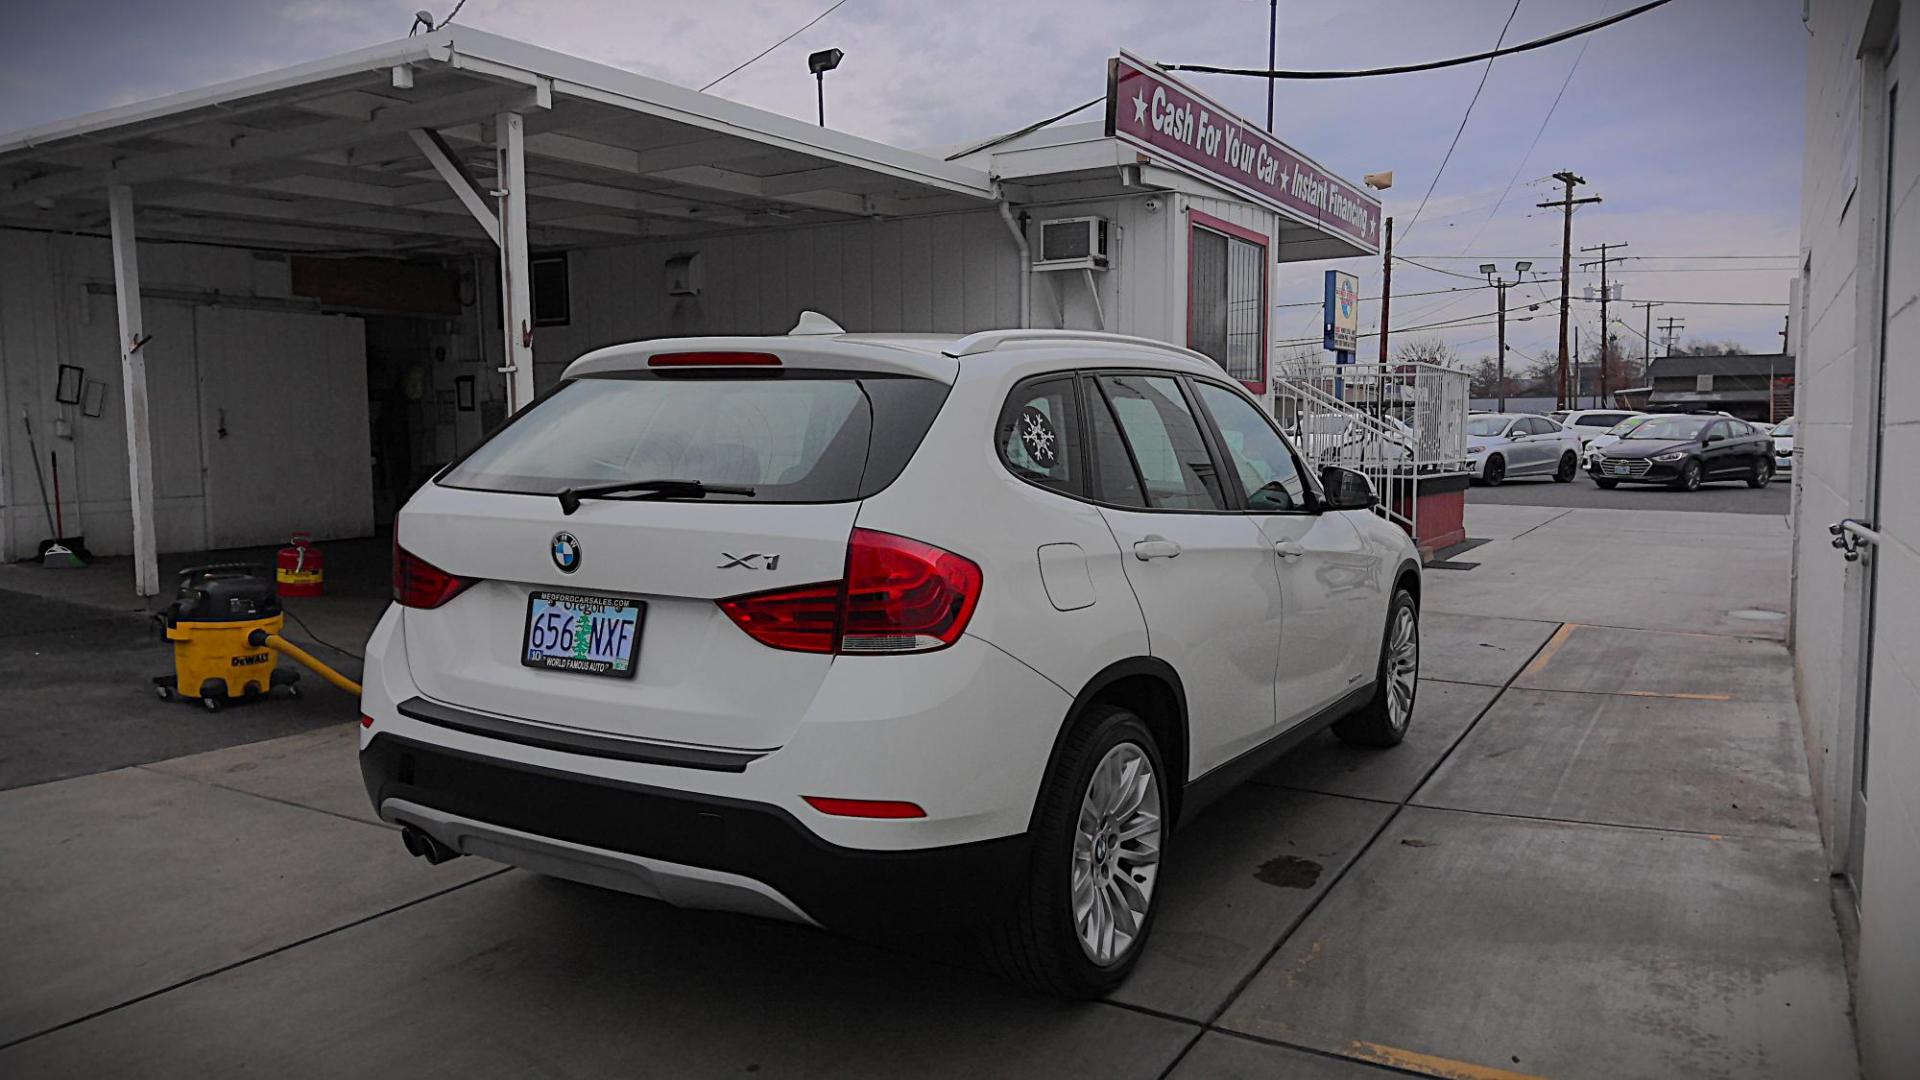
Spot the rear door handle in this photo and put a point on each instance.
(1289, 549)
(1155, 547)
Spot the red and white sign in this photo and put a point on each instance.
(1156, 112)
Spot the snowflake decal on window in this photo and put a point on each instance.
(1037, 435)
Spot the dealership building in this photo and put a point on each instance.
(278, 304)
(1856, 500)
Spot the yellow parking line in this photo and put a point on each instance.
(1429, 1065)
(1552, 646)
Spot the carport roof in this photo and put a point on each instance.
(323, 157)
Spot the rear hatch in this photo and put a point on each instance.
(810, 435)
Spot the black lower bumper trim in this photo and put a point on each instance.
(575, 742)
(848, 889)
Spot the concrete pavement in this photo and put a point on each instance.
(1594, 856)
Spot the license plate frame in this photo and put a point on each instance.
(620, 664)
(1622, 470)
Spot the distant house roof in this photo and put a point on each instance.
(1666, 367)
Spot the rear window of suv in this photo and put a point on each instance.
(794, 437)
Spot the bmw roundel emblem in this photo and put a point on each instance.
(565, 552)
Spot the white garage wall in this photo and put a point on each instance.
(314, 401)
(955, 273)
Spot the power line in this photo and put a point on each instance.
(1541, 130)
(1464, 117)
(770, 48)
(1537, 43)
(1036, 126)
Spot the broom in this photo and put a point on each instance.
(66, 552)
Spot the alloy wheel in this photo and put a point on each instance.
(1116, 853)
(1403, 668)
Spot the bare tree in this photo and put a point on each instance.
(1429, 350)
(1697, 347)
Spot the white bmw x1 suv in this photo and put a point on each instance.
(881, 633)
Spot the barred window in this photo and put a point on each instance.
(1227, 283)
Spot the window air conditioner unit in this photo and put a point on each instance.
(1078, 243)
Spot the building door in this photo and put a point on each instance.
(283, 424)
(1873, 579)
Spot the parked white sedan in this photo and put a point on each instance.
(1783, 445)
(1500, 445)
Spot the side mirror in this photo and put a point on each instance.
(1710, 440)
(1347, 489)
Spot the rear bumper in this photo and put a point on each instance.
(692, 849)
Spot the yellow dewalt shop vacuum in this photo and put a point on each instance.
(225, 623)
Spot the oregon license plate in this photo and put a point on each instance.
(591, 635)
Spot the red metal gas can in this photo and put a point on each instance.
(301, 568)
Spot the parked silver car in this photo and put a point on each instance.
(1500, 445)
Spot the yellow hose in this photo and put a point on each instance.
(307, 658)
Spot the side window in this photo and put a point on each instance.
(1517, 429)
(1540, 425)
(1268, 473)
(1739, 429)
(1118, 483)
(1166, 442)
(1039, 435)
(1718, 430)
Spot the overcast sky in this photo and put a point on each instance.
(1688, 120)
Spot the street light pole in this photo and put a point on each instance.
(1500, 285)
(820, 63)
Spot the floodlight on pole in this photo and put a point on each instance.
(820, 63)
(1522, 266)
(1489, 269)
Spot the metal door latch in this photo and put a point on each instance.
(1849, 534)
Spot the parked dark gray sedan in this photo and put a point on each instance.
(1685, 451)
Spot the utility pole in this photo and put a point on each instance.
(1273, 38)
(1646, 336)
(1575, 403)
(1606, 328)
(1566, 176)
(1670, 331)
(1386, 291)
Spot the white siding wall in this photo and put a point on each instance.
(941, 274)
(48, 318)
(1834, 358)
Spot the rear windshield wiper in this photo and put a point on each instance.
(656, 489)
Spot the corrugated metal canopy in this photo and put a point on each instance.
(323, 157)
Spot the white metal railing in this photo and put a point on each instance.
(1395, 423)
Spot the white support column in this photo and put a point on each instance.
(516, 283)
(133, 377)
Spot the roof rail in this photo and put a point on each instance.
(987, 341)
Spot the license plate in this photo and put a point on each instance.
(589, 635)
(1621, 470)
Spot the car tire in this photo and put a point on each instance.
(1496, 471)
(1689, 478)
(1606, 485)
(1383, 720)
(1041, 944)
(1569, 467)
(1762, 474)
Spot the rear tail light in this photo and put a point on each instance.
(418, 583)
(898, 596)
